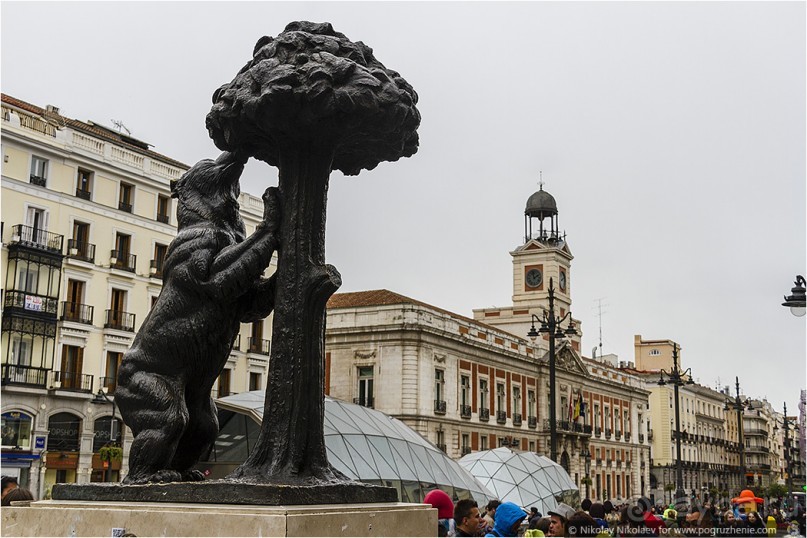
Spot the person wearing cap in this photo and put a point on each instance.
(557, 519)
(445, 511)
(508, 519)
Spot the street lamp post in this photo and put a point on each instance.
(676, 377)
(787, 458)
(551, 325)
(739, 406)
(102, 398)
(797, 300)
(587, 462)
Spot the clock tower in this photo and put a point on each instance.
(544, 256)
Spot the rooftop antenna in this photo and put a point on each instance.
(541, 179)
(121, 127)
(599, 309)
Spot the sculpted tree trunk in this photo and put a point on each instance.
(310, 101)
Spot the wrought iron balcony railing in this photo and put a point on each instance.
(30, 302)
(442, 446)
(162, 218)
(641, 438)
(122, 321)
(36, 238)
(17, 374)
(484, 414)
(465, 450)
(81, 250)
(465, 411)
(532, 422)
(156, 268)
(258, 345)
(85, 195)
(364, 402)
(123, 206)
(440, 407)
(516, 419)
(77, 312)
(39, 181)
(109, 384)
(122, 260)
(501, 417)
(75, 381)
(607, 433)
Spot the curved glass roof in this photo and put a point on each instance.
(363, 443)
(524, 478)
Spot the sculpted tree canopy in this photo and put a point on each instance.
(311, 81)
(310, 101)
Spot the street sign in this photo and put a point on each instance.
(39, 442)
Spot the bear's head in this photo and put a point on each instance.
(208, 193)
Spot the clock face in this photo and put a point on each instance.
(562, 280)
(534, 278)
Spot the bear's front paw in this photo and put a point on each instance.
(271, 209)
(192, 476)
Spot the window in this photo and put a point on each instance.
(516, 399)
(79, 245)
(439, 383)
(160, 251)
(483, 442)
(21, 350)
(223, 388)
(655, 352)
(84, 184)
(625, 421)
(466, 443)
(110, 381)
(483, 393)
(465, 390)
(16, 428)
(365, 386)
(27, 279)
(532, 446)
(123, 258)
(564, 409)
(254, 381)
(72, 362)
(163, 206)
(531, 403)
(36, 231)
(39, 171)
(126, 197)
(441, 440)
(500, 397)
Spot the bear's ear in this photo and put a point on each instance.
(173, 186)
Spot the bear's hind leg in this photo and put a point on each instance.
(199, 435)
(154, 408)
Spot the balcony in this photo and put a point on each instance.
(442, 446)
(15, 374)
(758, 449)
(77, 312)
(516, 419)
(80, 250)
(617, 435)
(365, 402)
(28, 236)
(156, 268)
(258, 345)
(122, 260)
(484, 414)
(39, 181)
(618, 464)
(122, 321)
(123, 206)
(532, 422)
(465, 450)
(641, 438)
(650, 435)
(465, 411)
(608, 462)
(501, 417)
(597, 431)
(108, 383)
(607, 433)
(439, 407)
(75, 381)
(84, 195)
(162, 218)
(21, 302)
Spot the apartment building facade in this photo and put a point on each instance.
(87, 217)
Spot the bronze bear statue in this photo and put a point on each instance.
(212, 282)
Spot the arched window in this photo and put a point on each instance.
(104, 430)
(64, 432)
(16, 428)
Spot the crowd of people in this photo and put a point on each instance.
(638, 518)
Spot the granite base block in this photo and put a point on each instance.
(227, 492)
(108, 518)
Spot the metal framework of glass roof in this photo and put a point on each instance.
(362, 443)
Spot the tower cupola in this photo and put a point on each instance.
(541, 206)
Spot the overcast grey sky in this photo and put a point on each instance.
(672, 136)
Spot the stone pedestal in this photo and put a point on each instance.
(104, 518)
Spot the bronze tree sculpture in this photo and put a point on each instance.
(310, 101)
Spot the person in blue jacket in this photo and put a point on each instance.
(508, 519)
